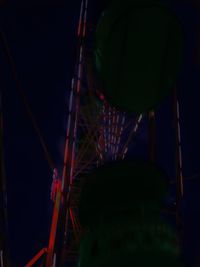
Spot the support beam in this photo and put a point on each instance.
(3, 196)
(178, 158)
(36, 257)
(53, 231)
(152, 136)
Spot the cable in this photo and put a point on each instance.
(25, 101)
(192, 177)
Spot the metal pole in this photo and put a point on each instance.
(1, 258)
(3, 197)
(178, 158)
(152, 136)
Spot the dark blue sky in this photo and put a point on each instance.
(42, 42)
(42, 39)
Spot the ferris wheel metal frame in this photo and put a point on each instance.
(94, 135)
(102, 130)
(104, 134)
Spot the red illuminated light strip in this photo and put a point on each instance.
(54, 224)
(36, 257)
(85, 19)
(80, 19)
(74, 225)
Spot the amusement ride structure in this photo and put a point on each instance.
(97, 132)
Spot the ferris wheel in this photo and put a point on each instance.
(98, 132)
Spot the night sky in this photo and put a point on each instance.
(42, 40)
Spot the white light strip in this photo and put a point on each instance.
(54, 260)
(1, 257)
(71, 101)
(140, 117)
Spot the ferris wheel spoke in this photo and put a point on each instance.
(112, 131)
(83, 161)
(119, 135)
(90, 140)
(130, 137)
(91, 132)
(84, 167)
(75, 226)
(83, 150)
